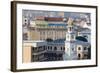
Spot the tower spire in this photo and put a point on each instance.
(70, 21)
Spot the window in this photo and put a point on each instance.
(33, 49)
(25, 20)
(85, 55)
(84, 48)
(50, 47)
(25, 36)
(25, 23)
(44, 47)
(79, 56)
(55, 48)
(70, 29)
(48, 32)
(72, 36)
(43, 32)
(63, 48)
(40, 33)
(72, 49)
(79, 48)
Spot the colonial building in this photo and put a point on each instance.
(76, 45)
(47, 28)
(55, 51)
(70, 46)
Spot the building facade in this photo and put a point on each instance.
(48, 28)
(34, 51)
(58, 39)
(76, 45)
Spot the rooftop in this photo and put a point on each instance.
(80, 38)
(53, 24)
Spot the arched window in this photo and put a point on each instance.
(63, 48)
(55, 48)
(70, 29)
(79, 56)
(79, 48)
(25, 20)
(44, 47)
(50, 47)
(85, 55)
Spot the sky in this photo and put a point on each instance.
(31, 13)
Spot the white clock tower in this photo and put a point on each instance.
(70, 46)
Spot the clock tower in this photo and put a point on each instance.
(70, 46)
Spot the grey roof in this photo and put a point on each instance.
(79, 28)
(62, 42)
(80, 38)
(77, 42)
(57, 42)
(86, 30)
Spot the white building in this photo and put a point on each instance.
(85, 32)
(70, 46)
(76, 47)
